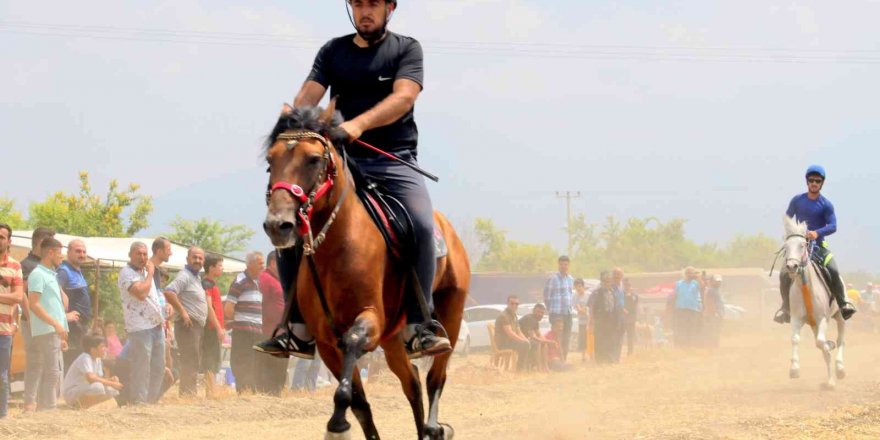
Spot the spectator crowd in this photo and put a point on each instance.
(606, 319)
(174, 327)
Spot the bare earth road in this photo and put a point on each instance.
(740, 392)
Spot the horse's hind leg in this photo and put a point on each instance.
(406, 372)
(822, 343)
(841, 333)
(353, 343)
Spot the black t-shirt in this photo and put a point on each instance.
(529, 325)
(361, 77)
(505, 318)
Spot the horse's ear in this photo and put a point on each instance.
(327, 116)
(286, 109)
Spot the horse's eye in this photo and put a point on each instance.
(314, 160)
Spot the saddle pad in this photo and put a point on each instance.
(440, 248)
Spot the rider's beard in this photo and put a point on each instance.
(372, 37)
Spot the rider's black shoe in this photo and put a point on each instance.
(847, 311)
(286, 344)
(426, 343)
(782, 316)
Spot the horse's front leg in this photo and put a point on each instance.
(353, 345)
(822, 343)
(794, 371)
(841, 332)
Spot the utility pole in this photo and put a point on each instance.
(568, 195)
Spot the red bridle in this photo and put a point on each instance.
(304, 214)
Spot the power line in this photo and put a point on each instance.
(473, 48)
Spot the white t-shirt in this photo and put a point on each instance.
(139, 315)
(76, 374)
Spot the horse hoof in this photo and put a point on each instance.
(338, 435)
(841, 373)
(448, 432)
(444, 432)
(794, 374)
(827, 386)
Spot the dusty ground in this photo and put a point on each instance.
(741, 392)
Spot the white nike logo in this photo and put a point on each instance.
(384, 78)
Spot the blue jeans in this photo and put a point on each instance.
(5, 358)
(147, 356)
(305, 374)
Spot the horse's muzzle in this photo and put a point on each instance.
(281, 229)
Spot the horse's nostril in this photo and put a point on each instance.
(285, 227)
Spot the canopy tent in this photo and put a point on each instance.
(112, 252)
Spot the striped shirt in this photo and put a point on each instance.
(248, 312)
(557, 294)
(10, 278)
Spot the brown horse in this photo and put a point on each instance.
(311, 198)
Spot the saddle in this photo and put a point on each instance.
(391, 217)
(824, 274)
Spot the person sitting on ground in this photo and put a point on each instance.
(555, 361)
(530, 327)
(85, 385)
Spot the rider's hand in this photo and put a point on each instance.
(812, 235)
(184, 316)
(353, 129)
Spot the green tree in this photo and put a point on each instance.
(92, 215)
(211, 235)
(10, 215)
(503, 255)
(750, 251)
(119, 213)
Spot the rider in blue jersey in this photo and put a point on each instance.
(813, 208)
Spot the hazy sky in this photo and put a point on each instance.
(708, 111)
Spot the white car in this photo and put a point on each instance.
(478, 318)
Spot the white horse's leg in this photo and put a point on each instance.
(841, 332)
(826, 346)
(796, 323)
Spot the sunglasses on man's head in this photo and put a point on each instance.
(814, 180)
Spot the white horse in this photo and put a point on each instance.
(811, 303)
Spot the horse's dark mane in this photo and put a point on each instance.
(308, 118)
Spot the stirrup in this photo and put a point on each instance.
(286, 344)
(427, 342)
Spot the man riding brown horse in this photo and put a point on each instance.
(376, 76)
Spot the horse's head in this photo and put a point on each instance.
(796, 244)
(302, 170)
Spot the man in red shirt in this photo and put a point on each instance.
(215, 332)
(274, 370)
(11, 294)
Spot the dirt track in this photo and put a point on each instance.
(741, 392)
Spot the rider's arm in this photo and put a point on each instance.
(830, 222)
(398, 103)
(790, 211)
(310, 94)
